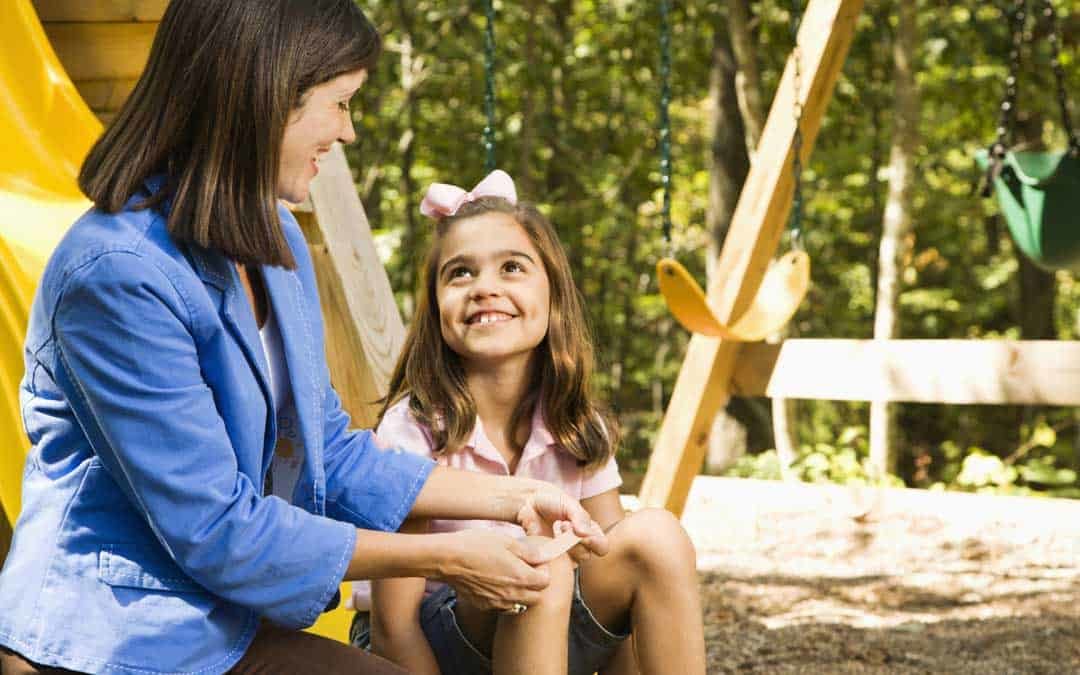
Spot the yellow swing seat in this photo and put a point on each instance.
(778, 298)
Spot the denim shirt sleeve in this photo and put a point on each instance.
(129, 365)
(366, 484)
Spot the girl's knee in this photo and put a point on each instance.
(560, 589)
(655, 540)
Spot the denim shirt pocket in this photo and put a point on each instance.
(131, 566)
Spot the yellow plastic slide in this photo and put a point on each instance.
(45, 129)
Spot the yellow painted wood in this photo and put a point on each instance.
(703, 385)
(778, 298)
(102, 51)
(100, 10)
(994, 372)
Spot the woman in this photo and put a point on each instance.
(175, 345)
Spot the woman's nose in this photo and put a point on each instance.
(348, 132)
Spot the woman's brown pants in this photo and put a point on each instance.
(275, 650)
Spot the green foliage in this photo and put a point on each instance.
(843, 459)
(577, 97)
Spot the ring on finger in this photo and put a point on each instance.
(517, 608)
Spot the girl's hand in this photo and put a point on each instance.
(490, 571)
(547, 509)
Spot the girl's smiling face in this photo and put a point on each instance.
(492, 290)
(322, 119)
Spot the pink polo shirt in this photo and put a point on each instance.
(542, 459)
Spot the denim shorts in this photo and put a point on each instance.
(591, 646)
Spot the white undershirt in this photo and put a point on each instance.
(288, 454)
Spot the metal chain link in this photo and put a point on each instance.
(795, 223)
(665, 118)
(1059, 76)
(1007, 115)
(489, 87)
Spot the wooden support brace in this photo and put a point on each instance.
(704, 381)
(364, 332)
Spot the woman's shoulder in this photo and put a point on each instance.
(134, 244)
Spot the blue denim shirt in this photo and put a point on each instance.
(145, 543)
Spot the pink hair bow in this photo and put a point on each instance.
(443, 199)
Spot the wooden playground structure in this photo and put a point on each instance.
(101, 45)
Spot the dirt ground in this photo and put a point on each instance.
(825, 579)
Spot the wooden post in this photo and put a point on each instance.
(364, 332)
(704, 382)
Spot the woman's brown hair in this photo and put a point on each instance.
(433, 376)
(209, 113)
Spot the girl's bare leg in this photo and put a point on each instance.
(650, 576)
(531, 643)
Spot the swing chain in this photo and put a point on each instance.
(489, 87)
(665, 120)
(795, 224)
(999, 148)
(1059, 76)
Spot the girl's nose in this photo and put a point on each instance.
(484, 287)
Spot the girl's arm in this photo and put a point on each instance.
(533, 504)
(396, 633)
(605, 508)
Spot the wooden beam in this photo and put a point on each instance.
(100, 10)
(997, 372)
(703, 385)
(102, 51)
(105, 95)
(364, 332)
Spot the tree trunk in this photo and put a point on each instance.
(525, 177)
(747, 76)
(728, 165)
(1037, 292)
(896, 223)
(411, 76)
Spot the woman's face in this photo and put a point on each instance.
(322, 118)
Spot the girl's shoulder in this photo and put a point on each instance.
(398, 428)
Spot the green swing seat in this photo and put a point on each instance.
(1039, 195)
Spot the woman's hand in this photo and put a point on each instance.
(549, 510)
(490, 571)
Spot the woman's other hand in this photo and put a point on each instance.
(491, 570)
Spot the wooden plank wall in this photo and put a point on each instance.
(984, 372)
(103, 45)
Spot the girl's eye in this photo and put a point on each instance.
(513, 266)
(459, 272)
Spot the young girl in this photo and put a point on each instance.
(494, 377)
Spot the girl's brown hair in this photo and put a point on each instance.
(209, 113)
(432, 374)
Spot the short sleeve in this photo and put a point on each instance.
(398, 429)
(601, 480)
